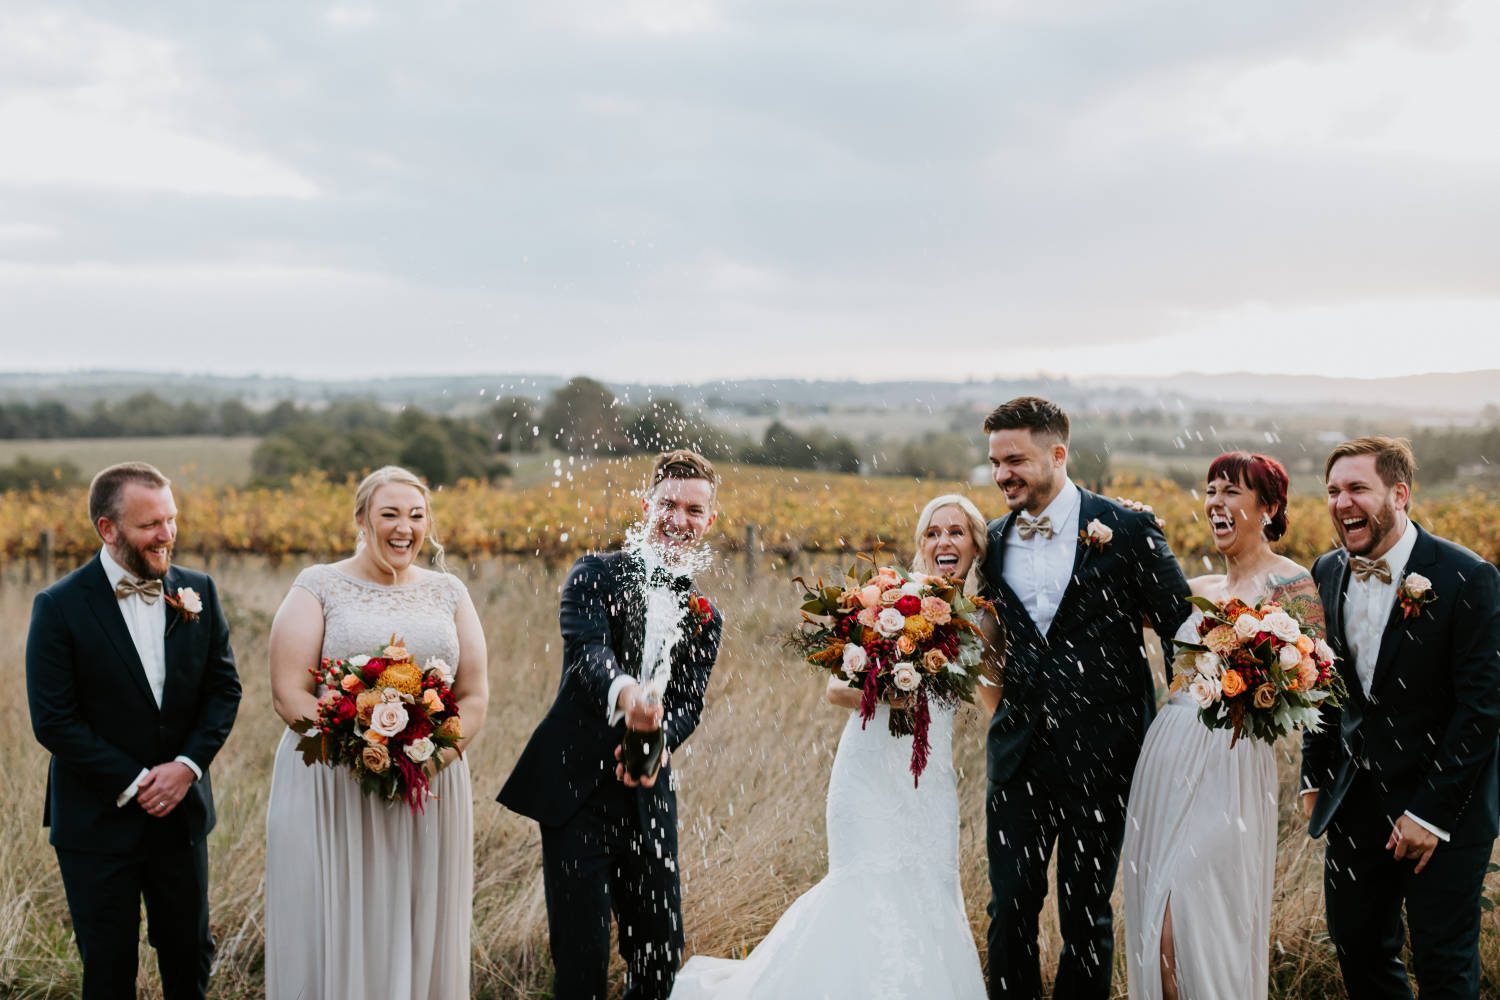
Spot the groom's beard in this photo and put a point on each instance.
(131, 559)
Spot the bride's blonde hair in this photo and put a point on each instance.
(365, 493)
(972, 518)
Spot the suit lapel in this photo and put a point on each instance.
(176, 641)
(105, 608)
(1089, 507)
(1008, 598)
(1423, 554)
(1333, 612)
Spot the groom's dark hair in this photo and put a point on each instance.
(682, 463)
(1033, 413)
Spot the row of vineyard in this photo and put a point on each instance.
(590, 506)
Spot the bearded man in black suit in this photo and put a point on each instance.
(132, 689)
(1072, 576)
(1403, 777)
(609, 840)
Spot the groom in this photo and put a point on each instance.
(1404, 778)
(1072, 576)
(132, 688)
(609, 842)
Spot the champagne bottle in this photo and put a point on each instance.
(643, 748)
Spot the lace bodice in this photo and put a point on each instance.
(358, 615)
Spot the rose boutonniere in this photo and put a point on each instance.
(186, 603)
(1415, 594)
(1096, 535)
(701, 610)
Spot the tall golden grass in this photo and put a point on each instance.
(751, 802)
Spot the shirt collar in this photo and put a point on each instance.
(113, 570)
(1400, 553)
(1063, 506)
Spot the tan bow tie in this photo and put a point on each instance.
(149, 590)
(1026, 527)
(1366, 568)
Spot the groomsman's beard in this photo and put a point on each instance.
(131, 559)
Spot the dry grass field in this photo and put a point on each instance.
(751, 803)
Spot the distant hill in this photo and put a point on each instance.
(1435, 396)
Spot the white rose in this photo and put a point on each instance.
(358, 661)
(1246, 625)
(388, 718)
(1290, 657)
(1208, 664)
(444, 671)
(420, 750)
(1204, 690)
(1417, 584)
(855, 659)
(1323, 651)
(193, 604)
(1100, 532)
(890, 622)
(912, 587)
(906, 677)
(1282, 625)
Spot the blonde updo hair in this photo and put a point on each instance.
(977, 530)
(365, 493)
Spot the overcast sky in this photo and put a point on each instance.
(693, 189)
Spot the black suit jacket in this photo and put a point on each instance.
(603, 616)
(1090, 673)
(91, 707)
(1427, 731)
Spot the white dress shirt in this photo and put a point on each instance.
(1367, 608)
(1038, 569)
(147, 624)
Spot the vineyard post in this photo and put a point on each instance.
(44, 555)
(749, 553)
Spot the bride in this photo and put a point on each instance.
(889, 919)
(1200, 830)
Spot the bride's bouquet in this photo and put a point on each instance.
(385, 719)
(906, 638)
(1257, 671)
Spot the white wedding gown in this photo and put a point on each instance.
(888, 921)
(364, 899)
(1200, 831)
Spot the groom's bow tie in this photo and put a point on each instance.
(1026, 527)
(149, 590)
(1366, 568)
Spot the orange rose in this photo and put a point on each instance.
(452, 728)
(374, 739)
(1305, 644)
(376, 759)
(1232, 683)
(906, 644)
(432, 701)
(364, 704)
(352, 684)
(1265, 696)
(934, 661)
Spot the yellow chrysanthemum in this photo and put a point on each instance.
(404, 677)
(918, 628)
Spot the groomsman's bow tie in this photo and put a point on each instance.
(1027, 527)
(149, 590)
(1366, 568)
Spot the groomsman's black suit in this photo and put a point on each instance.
(92, 708)
(1062, 745)
(607, 847)
(1423, 741)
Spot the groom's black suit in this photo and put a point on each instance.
(1063, 744)
(92, 708)
(607, 847)
(1423, 741)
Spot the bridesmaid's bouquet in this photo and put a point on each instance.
(385, 719)
(906, 638)
(1257, 671)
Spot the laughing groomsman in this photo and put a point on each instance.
(1403, 778)
(133, 690)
